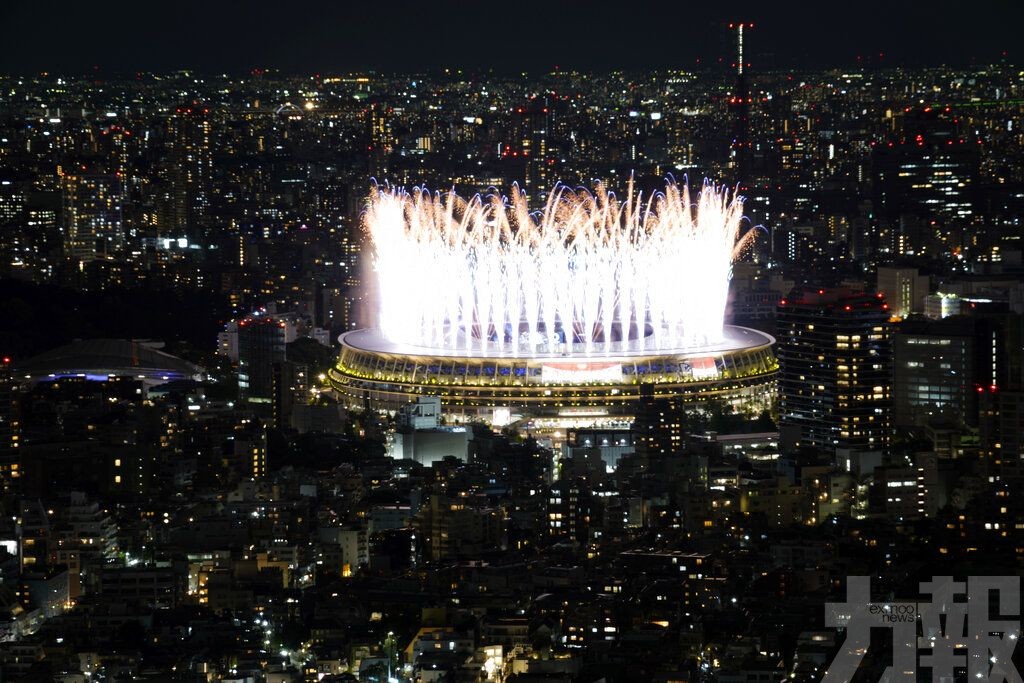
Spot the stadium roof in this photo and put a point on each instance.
(100, 358)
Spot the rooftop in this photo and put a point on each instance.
(104, 357)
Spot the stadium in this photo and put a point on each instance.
(559, 316)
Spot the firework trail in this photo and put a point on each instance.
(590, 273)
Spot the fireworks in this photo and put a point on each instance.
(590, 274)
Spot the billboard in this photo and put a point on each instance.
(581, 372)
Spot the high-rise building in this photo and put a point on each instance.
(904, 289)
(116, 143)
(345, 309)
(930, 169)
(10, 460)
(43, 229)
(91, 215)
(338, 292)
(189, 173)
(261, 344)
(1000, 388)
(937, 367)
(1002, 431)
(739, 107)
(381, 138)
(532, 145)
(14, 240)
(13, 200)
(291, 389)
(835, 370)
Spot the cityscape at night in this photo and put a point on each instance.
(545, 344)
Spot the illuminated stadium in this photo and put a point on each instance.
(558, 315)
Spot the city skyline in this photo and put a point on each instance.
(271, 411)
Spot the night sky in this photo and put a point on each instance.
(306, 37)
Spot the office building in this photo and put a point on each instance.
(928, 169)
(835, 370)
(939, 366)
(261, 344)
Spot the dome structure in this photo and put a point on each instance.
(99, 359)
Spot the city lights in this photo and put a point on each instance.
(383, 346)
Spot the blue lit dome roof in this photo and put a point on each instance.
(101, 358)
